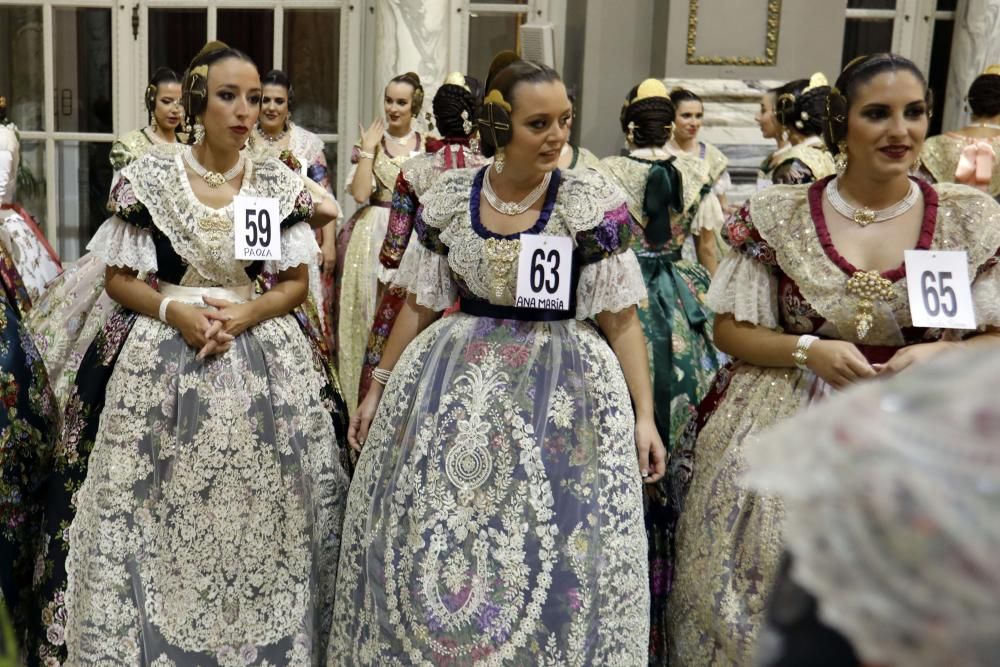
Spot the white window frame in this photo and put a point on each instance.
(912, 27)
(535, 11)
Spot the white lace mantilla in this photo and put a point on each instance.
(581, 204)
(199, 234)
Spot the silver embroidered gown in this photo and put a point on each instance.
(207, 529)
(495, 516)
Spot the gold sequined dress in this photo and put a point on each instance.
(785, 273)
(360, 241)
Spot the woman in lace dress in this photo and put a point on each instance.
(278, 136)
(970, 155)
(375, 165)
(455, 118)
(663, 194)
(207, 528)
(75, 306)
(29, 261)
(814, 299)
(800, 108)
(495, 516)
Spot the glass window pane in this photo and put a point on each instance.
(82, 38)
(473, 4)
(175, 35)
(21, 66)
(312, 62)
(863, 37)
(251, 31)
(84, 178)
(937, 77)
(488, 35)
(871, 4)
(947, 5)
(31, 179)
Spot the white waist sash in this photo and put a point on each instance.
(193, 295)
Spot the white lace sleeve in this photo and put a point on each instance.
(119, 243)
(610, 285)
(385, 275)
(722, 184)
(986, 297)
(298, 246)
(746, 289)
(709, 215)
(425, 273)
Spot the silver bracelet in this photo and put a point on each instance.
(163, 308)
(381, 376)
(362, 153)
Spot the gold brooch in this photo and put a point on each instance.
(215, 224)
(868, 286)
(500, 257)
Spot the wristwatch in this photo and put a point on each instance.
(801, 354)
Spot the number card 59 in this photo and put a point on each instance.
(937, 283)
(256, 228)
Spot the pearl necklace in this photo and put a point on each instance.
(402, 141)
(213, 178)
(510, 207)
(865, 216)
(271, 139)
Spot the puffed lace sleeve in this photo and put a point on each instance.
(610, 277)
(298, 246)
(126, 238)
(709, 215)
(424, 270)
(745, 284)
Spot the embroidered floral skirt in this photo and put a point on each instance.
(208, 527)
(495, 516)
(362, 236)
(728, 542)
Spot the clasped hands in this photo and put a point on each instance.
(212, 330)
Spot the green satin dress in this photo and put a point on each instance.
(663, 197)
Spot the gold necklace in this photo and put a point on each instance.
(500, 257)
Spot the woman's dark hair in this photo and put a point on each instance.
(678, 95)
(195, 87)
(800, 108)
(649, 121)
(160, 76)
(857, 73)
(278, 78)
(413, 80)
(449, 102)
(984, 96)
(506, 71)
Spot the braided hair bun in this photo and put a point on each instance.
(647, 117)
(984, 96)
(450, 101)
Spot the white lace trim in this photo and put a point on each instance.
(745, 288)
(298, 246)
(709, 215)
(610, 285)
(119, 243)
(385, 275)
(986, 297)
(425, 274)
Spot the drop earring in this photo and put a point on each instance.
(498, 161)
(840, 159)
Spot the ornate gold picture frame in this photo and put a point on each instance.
(769, 57)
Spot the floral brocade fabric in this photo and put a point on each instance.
(787, 274)
(495, 516)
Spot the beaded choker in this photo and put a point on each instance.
(213, 178)
(865, 216)
(510, 207)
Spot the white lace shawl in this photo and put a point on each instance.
(584, 198)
